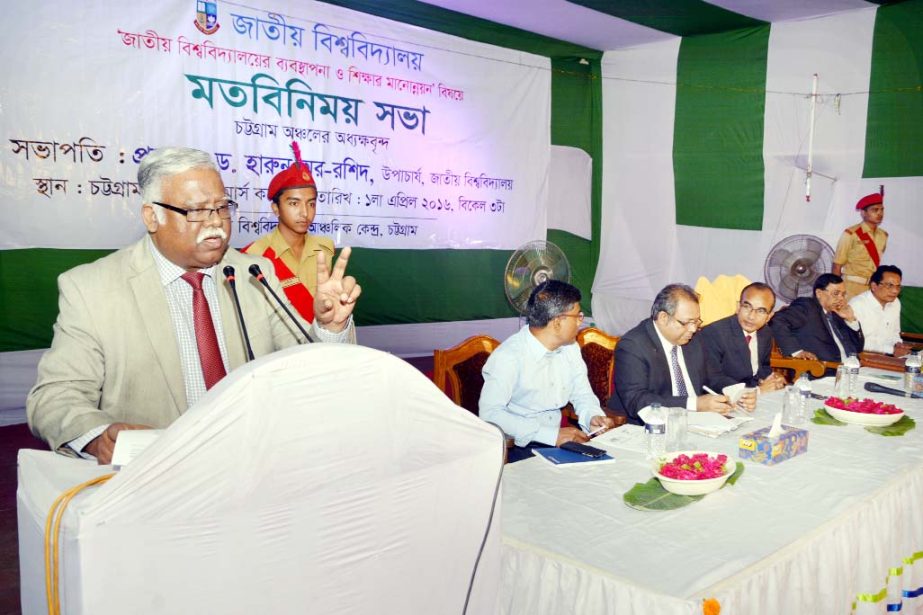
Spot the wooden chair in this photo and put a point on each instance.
(882, 361)
(457, 371)
(793, 367)
(914, 340)
(598, 350)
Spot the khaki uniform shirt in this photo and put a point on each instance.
(306, 268)
(852, 255)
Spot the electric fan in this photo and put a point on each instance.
(794, 263)
(530, 265)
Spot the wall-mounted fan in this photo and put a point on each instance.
(794, 263)
(530, 265)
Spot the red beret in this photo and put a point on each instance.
(871, 199)
(296, 176)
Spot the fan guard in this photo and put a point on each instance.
(530, 265)
(794, 263)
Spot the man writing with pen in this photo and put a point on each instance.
(537, 371)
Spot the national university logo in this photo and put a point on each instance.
(206, 17)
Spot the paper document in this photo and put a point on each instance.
(130, 443)
(712, 424)
(733, 392)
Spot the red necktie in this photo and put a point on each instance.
(748, 338)
(205, 337)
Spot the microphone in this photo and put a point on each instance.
(232, 282)
(878, 388)
(258, 274)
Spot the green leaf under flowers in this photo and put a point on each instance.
(822, 417)
(736, 475)
(652, 496)
(895, 429)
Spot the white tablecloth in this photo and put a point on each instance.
(837, 528)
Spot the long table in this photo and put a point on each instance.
(835, 529)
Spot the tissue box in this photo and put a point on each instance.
(756, 446)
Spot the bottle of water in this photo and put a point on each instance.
(911, 372)
(655, 430)
(804, 397)
(852, 372)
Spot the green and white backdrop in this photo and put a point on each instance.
(658, 162)
(706, 146)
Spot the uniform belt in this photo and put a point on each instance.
(856, 279)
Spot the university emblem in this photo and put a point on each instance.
(206, 16)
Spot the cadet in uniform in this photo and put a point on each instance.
(290, 247)
(861, 246)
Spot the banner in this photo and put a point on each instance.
(706, 160)
(416, 139)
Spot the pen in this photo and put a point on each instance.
(709, 390)
(596, 431)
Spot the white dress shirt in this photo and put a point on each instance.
(692, 398)
(881, 324)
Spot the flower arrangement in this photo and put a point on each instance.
(699, 466)
(865, 406)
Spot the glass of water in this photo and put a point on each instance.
(791, 407)
(841, 385)
(677, 426)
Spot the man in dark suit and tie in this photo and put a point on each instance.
(660, 360)
(740, 344)
(820, 327)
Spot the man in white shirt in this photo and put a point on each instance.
(537, 371)
(879, 312)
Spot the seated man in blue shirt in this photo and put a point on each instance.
(535, 372)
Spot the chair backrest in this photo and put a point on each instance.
(718, 298)
(457, 370)
(598, 350)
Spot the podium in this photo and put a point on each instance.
(326, 478)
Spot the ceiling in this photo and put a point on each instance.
(614, 24)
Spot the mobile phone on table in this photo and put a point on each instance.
(583, 449)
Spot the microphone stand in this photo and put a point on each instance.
(232, 282)
(258, 274)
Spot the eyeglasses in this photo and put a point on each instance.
(890, 285)
(696, 323)
(747, 307)
(579, 316)
(225, 212)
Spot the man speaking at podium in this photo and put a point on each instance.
(142, 333)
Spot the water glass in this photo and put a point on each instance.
(677, 426)
(841, 384)
(791, 407)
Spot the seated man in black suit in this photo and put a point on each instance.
(820, 327)
(661, 361)
(740, 344)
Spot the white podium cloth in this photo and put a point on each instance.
(839, 524)
(326, 478)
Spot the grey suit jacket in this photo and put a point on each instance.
(114, 356)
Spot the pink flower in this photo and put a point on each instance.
(697, 467)
(865, 406)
